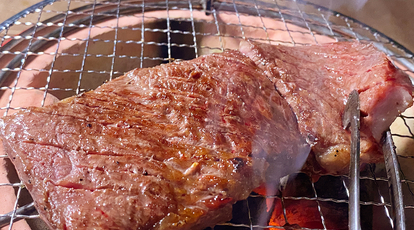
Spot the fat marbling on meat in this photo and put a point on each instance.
(169, 147)
(316, 81)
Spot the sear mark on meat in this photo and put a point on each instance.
(316, 81)
(170, 147)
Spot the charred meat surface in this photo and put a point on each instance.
(316, 81)
(169, 147)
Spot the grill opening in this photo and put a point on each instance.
(62, 82)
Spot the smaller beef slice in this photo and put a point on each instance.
(316, 81)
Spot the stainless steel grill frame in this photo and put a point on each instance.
(316, 22)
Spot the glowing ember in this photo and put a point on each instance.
(305, 214)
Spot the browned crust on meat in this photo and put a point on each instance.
(170, 147)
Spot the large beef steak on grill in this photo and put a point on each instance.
(169, 147)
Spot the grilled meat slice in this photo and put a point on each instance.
(169, 147)
(316, 81)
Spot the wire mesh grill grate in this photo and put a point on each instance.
(72, 46)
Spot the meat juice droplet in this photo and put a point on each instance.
(217, 202)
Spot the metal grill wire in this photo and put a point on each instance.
(316, 21)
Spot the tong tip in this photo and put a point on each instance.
(351, 105)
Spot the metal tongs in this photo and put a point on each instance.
(394, 184)
(351, 118)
